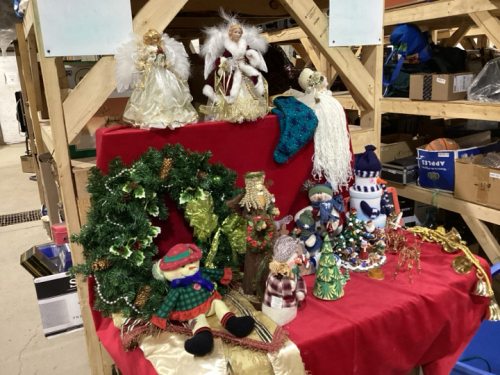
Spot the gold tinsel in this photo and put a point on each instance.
(101, 264)
(142, 296)
(165, 168)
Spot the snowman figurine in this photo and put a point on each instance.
(368, 194)
(326, 209)
(193, 296)
(285, 288)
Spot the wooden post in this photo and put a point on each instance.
(299, 48)
(372, 59)
(311, 51)
(63, 162)
(29, 123)
(489, 24)
(457, 36)
(30, 90)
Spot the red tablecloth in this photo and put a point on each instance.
(246, 147)
(378, 327)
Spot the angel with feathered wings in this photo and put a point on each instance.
(236, 89)
(157, 66)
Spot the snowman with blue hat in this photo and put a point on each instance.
(319, 221)
(368, 193)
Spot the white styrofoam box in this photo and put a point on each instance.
(58, 303)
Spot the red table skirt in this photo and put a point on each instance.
(378, 327)
(246, 147)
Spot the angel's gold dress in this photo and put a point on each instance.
(161, 99)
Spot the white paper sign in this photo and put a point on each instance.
(494, 175)
(356, 22)
(90, 27)
(441, 80)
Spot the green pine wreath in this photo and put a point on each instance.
(118, 237)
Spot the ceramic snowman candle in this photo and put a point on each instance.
(192, 297)
(284, 286)
(368, 196)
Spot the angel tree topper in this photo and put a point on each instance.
(236, 89)
(158, 68)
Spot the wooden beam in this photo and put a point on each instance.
(35, 71)
(285, 35)
(30, 89)
(29, 123)
(457, 36)
(484, 237)
(438, 9)
(466, 44)
(83, 102)
(299, 48)
(448, 202)
(63, 78)
(455, 109)
(489, 24)
(28, 19)
(362, 137)
(372, 59)
(315, 24)
(311, 51)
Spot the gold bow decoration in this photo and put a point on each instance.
(200, 214)
(234, 227)
(462, 264)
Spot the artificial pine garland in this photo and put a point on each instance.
(117, 239)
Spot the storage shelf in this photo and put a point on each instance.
(455, 109)
(448, 202)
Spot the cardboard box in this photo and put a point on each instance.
(476, 183)
(437, 168)
(398, 146)
(58, 303)
(444, 87)
(28, 164)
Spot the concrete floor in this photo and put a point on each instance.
(23, 347)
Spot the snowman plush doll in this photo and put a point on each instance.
(368, 194)
(193, 296)
(285, 288)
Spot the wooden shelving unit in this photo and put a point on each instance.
(451, 22)
(461, 16)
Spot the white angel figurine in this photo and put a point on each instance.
(158, 68)
(236, 89)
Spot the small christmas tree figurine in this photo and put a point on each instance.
(329, 284)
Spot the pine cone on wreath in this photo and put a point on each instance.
(165, 168)
(101, 264)
(142, 296)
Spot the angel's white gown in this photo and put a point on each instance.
(161, 99)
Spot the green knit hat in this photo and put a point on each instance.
(307, 218)
(321, 188)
